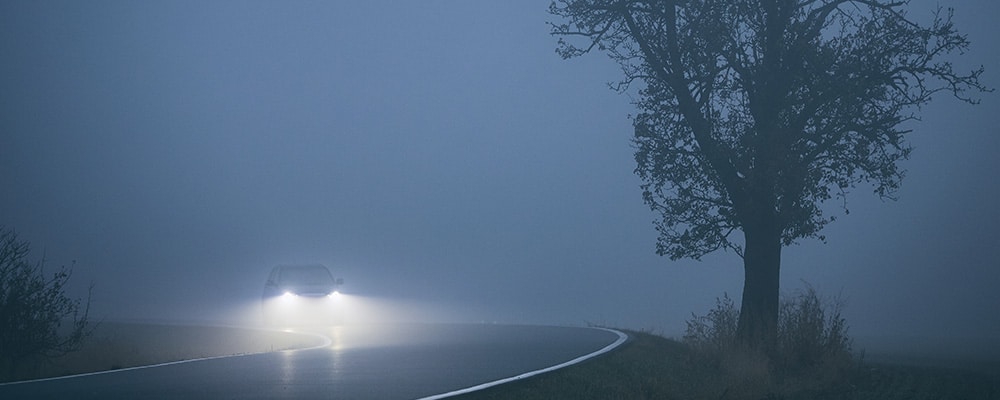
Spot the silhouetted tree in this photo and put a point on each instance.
(755, 112)
(34, 308)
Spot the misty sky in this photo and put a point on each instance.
(436, 153)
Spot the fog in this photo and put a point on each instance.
(441, 158)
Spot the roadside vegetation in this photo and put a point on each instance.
(814, 360)
(752, 115)
(38, 321)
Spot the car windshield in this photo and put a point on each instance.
(311, 274)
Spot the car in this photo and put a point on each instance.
(300, 295)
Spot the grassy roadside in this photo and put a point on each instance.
(122, 345)
(645, 367)
(654, 367)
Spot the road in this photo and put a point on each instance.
(360, 362)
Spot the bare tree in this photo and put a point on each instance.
(753, 113)
(34, 308)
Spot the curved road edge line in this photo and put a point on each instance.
(622, 337)
(326, 343)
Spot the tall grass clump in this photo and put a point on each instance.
(714, 333)
(813, 356)
(812, 333)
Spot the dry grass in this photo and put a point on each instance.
(813, 355)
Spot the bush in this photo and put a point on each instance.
(34, 308)
(714, 332)
(813, 354)
(811, 332)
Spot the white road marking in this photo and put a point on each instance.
(326, 343)
(621, 339)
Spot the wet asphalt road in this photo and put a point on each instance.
(362, 362)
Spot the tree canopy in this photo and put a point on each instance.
(754, 113)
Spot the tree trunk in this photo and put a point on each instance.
(758, 323)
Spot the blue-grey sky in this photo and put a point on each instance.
(438, 153)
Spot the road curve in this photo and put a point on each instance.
(361, 362)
